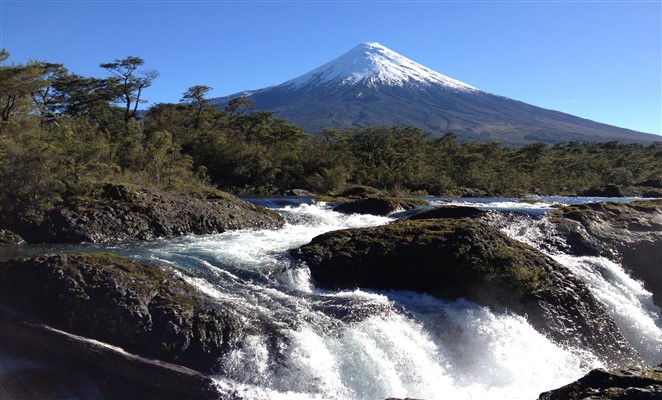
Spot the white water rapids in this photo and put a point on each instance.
(305, 343)
(630, 305)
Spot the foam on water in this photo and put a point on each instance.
(305, 343)
(628, 302)
(414, 346)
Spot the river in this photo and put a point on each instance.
(306, 343)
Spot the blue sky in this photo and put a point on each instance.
(599, 60)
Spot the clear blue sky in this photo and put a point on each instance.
(599, 60)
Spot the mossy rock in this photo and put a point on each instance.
(609, 210)
(141, 308)
(465, 258)
(359, 192)
(351, 193)
(121, 192)
(627, 232)
(379, 205)
(447, 258)
(125, 213)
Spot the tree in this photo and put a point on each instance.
(17, 83)
(129, 83)
(195, 96)
(48, 97)
(239, 106)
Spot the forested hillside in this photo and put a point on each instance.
(63, 135)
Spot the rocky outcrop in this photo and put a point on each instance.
(297, 193)
(368, 200)
(464, 258)
(630, 233)
(607, 191)
(627, 384)
(40, 362)
(126, 214)
(378, 205)
(360, 192)
(8, 237)
(448, 212)
(140, 308)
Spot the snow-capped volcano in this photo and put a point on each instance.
(372, 85)
(374, 64)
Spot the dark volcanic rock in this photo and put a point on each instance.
(123, 214)
(607, 191)
(463, 258)
(40, 362)
(138, 307)
(448, 212)
(628, 384)
(653, 183)
(627, 232)
(378, 205)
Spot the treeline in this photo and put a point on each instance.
(65, 135)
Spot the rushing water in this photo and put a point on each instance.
(306, 343)
(629, 304)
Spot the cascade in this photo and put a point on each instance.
(307, 343)
(630, 305)
(301, 342)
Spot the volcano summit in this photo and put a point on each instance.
(373, 85)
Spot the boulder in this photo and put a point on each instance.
(360, 192)
(448, 212)
(40, 362)
(123, 214)
(630, 233)
(140, 308)
(464, 258)
(298, 193)
(653, 194)
(378, 205)
(8, 237)
(607, 191)
(626, 384)
(652, 183)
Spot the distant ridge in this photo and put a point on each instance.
(373, 85)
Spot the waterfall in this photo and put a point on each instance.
(629, 303)
(306, 343)
(301, 342)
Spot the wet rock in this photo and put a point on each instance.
(378, 205)
(8, 237)
(40, 362)
(464, 258)
(627, 384)
(630, 233)
(141, 308)
(448, 212)
(653, 194)
(652, 183)
(122, 214)
(607, 191)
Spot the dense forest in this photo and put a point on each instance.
(62, 135)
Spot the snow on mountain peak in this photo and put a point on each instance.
(374, 64)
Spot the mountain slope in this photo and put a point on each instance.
(372, 85)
